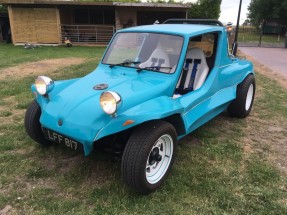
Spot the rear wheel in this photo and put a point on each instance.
(149, 155)
(32, 124)
(245, 93)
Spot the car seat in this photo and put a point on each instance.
(195, 60)
(157, 58)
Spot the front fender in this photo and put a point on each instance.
(156, 108)
(59, 86)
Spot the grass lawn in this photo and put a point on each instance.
(12, 56)
(225, 167)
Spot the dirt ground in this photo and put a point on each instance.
(38, 68)
(272, 133)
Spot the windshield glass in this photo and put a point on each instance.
(151, 51)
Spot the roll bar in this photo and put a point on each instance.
(194, 21)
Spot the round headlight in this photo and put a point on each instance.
(109, 101)
(44, 84)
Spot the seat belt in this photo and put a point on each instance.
(184, 74)
(193, 73)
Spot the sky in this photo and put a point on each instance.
(229, 10)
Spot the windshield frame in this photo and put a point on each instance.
(150, 32)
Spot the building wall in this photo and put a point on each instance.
(35, 25)
(43, 23)
(133, 16)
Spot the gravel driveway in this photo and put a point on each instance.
(273, 58)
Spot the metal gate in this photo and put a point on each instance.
(87, 34)
(268, 35)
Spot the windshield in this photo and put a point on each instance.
(151, 51)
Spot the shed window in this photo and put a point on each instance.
(82, 16)
(94, 16)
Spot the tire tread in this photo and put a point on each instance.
(32, 124)
(237, 106)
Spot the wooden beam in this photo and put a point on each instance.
(11, 20)
(59, 25)
(17, 1)
(56, 2)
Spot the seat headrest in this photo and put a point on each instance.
(195, 53)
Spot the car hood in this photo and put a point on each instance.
(80, 101)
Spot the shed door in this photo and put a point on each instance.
(38, 25)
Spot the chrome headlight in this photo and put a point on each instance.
(109, 102)
(44, 84)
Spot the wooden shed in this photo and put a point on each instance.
(83, 22)
(40, 25)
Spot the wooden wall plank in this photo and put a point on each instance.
(46, 25)
(58, 25)
(39, 25)
(23, 20)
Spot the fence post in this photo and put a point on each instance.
(78, 33)
(96, 27)
(260, 37)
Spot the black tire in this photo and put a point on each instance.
(140, 148)
(33, 126)
(241, 106)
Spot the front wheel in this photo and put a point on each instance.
(149, 155)
(241, 106)
(32, 124)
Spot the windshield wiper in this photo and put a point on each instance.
(126, 62)
(154, 68)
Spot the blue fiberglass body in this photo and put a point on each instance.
(145, 95)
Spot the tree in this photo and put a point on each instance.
(246, 22)
(205, 9)
(3, 8)
(261, 10)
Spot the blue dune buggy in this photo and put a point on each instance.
(154, 85)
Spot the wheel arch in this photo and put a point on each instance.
(244, 77)
(177, 122)
(249, 70)
(237, 108)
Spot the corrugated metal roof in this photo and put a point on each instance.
(132, 4)
(104, 3)
(54, 2)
